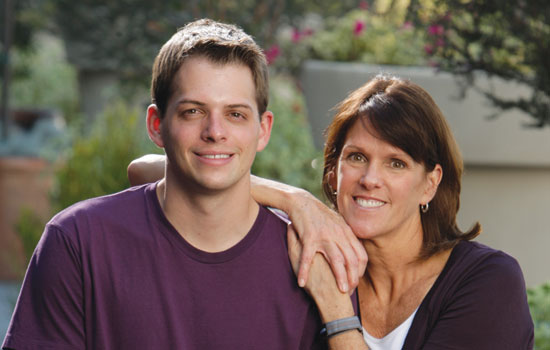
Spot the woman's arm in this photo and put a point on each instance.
(148, 168)
(331, 302)
(320, 228)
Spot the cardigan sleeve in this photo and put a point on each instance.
(487, 310)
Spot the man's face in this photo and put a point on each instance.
(212, 131)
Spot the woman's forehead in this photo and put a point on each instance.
(362, 134)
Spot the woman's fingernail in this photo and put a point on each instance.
(301, 282)
(344, 287)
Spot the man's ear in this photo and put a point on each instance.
(266, 123)
(154, 125)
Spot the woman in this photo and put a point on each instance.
(393, 171)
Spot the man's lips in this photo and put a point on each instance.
(215, 156)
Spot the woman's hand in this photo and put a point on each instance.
(321, 280)
(323, 230)
(331, 302)
(321, 284)
(320, 229)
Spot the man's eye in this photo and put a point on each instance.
(237, 115)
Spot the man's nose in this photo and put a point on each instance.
(214, 128)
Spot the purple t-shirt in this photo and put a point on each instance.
(113, 273)
(477, 302)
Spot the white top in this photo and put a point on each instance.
(393, 340)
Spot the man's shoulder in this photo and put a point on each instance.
(281, 215)
(120, 204)
(273, 219)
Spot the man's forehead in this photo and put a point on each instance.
(201, 73)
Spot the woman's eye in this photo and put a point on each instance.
(397, 164)
(356, 157)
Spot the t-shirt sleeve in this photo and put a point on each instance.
(489, 310)
(49, 313)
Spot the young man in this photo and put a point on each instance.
(190, 262)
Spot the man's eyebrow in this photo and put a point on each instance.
(240, 105)
(194, 102)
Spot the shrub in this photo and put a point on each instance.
(290, 155)
(43, 78)
(96, 164)
(539, 304)
(361, 35)
(29, 227)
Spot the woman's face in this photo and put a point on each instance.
(380, 187)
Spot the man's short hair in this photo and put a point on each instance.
(218, 42)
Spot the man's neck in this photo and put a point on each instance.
(211, 222)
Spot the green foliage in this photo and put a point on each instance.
(290, 153)
(509, 42)
(539, 304)
(363, 37)
(106, 35)
(42, 77)
(360, 35)
(29, 227)
(96, 164)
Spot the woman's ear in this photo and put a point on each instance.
(332, 179)
(154, 125)
(433, 179)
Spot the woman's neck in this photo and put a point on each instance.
(393, 269)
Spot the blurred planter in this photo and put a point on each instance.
(483, 141)
(25, 183)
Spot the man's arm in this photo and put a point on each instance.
(320, 229)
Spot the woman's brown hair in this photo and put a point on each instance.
(404, 115)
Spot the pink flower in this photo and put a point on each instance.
(296, 35)
(272, 53)
(407, 25)
(307, 32)
(363, 5)
(440, 42)
(358, 28)
(436, 29)
(429, 49)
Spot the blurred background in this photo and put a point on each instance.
(74, 89)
